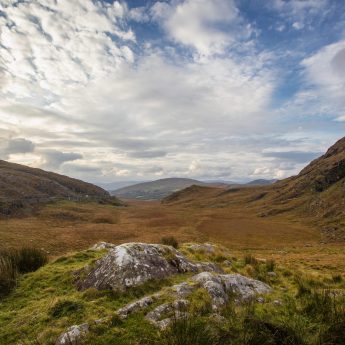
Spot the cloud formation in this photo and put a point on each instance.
(103, 90)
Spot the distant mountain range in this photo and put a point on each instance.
(159, 189)
(21, 186)
(110, 186)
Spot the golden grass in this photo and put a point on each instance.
(68, 226)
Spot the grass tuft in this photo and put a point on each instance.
(8, 275)
(170, 241)
(65, 308)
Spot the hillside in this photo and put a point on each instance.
(316, 195)
(22, 186)
(155, 189)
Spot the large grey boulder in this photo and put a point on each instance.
(133, 264)
(74, 335)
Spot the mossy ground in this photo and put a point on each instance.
(46, 302)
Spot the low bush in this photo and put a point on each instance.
(170, 241)
(337, 278)
(189, 331)
(13, 262)
(250, 260)
(65, 308)
(8, 275)
(259, 332)
(30, 259)
(270, 265)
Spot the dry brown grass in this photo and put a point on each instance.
(283, 239)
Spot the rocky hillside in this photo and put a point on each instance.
(316, 195)
(321, 174)
(21, 185)
(317, 191)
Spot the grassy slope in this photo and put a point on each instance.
(19, 181)
(31, 313)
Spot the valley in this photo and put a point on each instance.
(66, 227)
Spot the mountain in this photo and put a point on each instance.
(155, 189)
(260, 182)
(110, 186)
(21, 185)
(159, 189)
(316, 195)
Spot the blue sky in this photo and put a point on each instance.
(137, 90)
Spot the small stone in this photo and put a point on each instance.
(260, 300)
(272, 274)
(227, 263)
(163, 324)
(277, 302)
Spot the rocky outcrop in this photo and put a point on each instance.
(220, 287)
(133, 264)
(73, 335)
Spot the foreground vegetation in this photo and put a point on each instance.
(304, 308)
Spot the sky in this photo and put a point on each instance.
(136, 90)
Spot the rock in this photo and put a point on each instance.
(213, 285)
(272, 274)
(156, 314)
(277, 302)
(245, 288)
(203, 248)
(219, 286)
(102, 245)
(135, 306)
(163, 324)
(208, 267)
(260, 300)
(177, 308)
(74, 335)
(227, 263)
(182, 290)
(133, 264)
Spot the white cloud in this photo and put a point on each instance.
(60, 44)
(326, 71)
(195, 23)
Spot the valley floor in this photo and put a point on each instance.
(67, 226)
